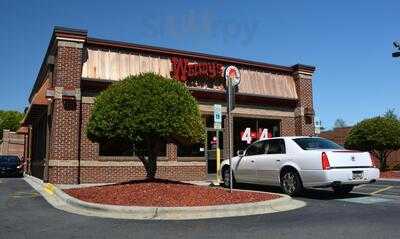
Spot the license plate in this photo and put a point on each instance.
(357, 175)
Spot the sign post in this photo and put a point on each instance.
(217, 127)
(232, 77)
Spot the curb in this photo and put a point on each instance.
(63, 201)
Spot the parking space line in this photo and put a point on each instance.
(381, 190)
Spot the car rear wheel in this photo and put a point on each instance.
(291, 183)
(342, 190)
(226, 178)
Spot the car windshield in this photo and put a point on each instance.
(9, 159)
(316, 143)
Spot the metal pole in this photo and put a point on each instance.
(218, 156)
(46, 176)
(230, 135)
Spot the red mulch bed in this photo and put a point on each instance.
(164, 193)
(390, 174)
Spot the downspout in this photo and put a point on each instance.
(49, 117)
(48, 130)
(78, 97)
(79, 137)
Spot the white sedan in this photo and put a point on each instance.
(295, 163)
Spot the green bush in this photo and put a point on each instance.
(10, 120)
(146, 110)
(380, 136)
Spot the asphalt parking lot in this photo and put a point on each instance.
(380, 189)
(371, 211)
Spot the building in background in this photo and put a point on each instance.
(318, 125)
(13, 143)
(272, 100)
(337, 135)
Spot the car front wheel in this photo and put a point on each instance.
(291, 183)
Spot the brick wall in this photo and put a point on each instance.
(89, 149)
(304, 122)
(288, 126)
(63, 175)
(65, 120)
(121, 174)
(172, 152)
(68, 66)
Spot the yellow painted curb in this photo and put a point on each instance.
(49, 188)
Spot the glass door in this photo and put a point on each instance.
(212, 149)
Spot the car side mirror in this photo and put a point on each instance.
(240, 153)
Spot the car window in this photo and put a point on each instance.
(316, 143)
(9, 159)
(256, 148)
(275, 146)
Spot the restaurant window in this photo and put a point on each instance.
(198, 149)
(248, 130)
(123, 149)
(192, 150)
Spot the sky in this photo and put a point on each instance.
(349, 42)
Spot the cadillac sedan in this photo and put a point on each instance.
(295, 163)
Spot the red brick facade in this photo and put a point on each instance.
(287, 128)
(304, 111)
(120, 174)
(89, 149)
(64, 137)
(72, 158)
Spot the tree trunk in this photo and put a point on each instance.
(382, 161)
(152, 168)
(150, 162)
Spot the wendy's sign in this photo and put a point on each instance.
(182, 70)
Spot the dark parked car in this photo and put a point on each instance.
(11, 165)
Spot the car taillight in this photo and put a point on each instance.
(325, 161)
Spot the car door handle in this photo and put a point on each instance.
(252, 161)
(278, 160)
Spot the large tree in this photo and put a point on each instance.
(380, 136)
(10, 120)
(390, 113)
(146, 110)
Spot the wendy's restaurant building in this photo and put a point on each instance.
(271, 101)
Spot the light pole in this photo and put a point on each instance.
(396, 44)
(232, 77)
